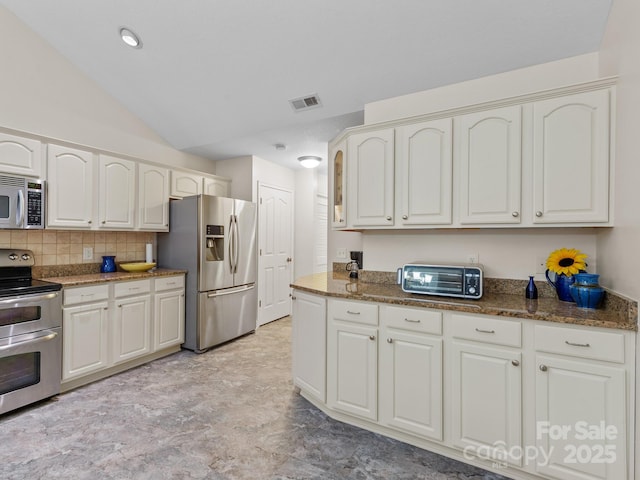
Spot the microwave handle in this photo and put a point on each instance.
(20, 209)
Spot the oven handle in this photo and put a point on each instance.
(30, 298)
(41, 338)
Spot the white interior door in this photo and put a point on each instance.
(275, 252)
(321, 235)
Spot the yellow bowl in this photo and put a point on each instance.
(137, 266)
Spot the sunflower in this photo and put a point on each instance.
(568, 261)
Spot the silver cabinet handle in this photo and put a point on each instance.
(411, 320)
(353, 313)
(515, 214)
(372, 337)
(389, 340)
(515, 363)
(404, 217)
(538, 213)
(479, 330)
(577, 344)
(543, 368)
(389, 218)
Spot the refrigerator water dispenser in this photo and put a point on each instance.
(214, 243)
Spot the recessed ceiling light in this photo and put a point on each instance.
(309, 161)
(130, 38)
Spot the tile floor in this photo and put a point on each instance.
(231, 413)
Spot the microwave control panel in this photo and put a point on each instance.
(35, 205)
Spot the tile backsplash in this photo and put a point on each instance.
(64, 247)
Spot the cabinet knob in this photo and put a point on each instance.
(514, 214)
(89, 222)
(372, 337)
(389, 218)
(293, 298)
(104, 221)
(389, 340)
(515, 363)
(404, 217)
(543, 368)
(538, 213)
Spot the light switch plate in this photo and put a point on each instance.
(341, 253)
(87, 253)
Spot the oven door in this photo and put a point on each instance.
(12, 206)
(30, 368)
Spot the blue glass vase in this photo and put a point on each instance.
(108, 264)
(562, 285)
(585, 291)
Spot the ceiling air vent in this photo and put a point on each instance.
(305, 103)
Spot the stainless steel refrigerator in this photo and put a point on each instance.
(214, 238)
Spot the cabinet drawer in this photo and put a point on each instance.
(169, 283)
(94, 293)
(487, 330)
(124, 289)
(413, 319)
(578, 342)
(358, 312)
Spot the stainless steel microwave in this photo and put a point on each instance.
(22, 202)
(462, 281)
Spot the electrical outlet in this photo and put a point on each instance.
(541, 264)
(87, 253)
(341, 253)
(473, 258)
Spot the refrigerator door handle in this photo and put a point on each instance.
(231, 244)
(230, 291)
(236, 238)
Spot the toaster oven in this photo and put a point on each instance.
(462, 281)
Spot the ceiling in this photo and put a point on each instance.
(214, 76)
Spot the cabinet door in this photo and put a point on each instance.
(486, 401)
(131, 328)
(185, 184)
(411, 382)
(218, 187)
(338, 157)
(574, 397)
(117, 192)
(371, 166)
(70, 187)
(309, 344)
(490, 158)
(571, 159)
(20, 156)
(352, 369)
(169, 319)
(85, 340)
(153, 198)
(423, 173)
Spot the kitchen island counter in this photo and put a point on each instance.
(617, 313)
(94, 278)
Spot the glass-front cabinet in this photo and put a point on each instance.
(339, 192)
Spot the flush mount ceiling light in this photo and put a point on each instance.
(130, 38)
(309, 161)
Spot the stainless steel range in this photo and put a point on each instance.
(30, 333)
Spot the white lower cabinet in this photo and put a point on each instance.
(529, 399)
(352, 358)
(309, 340)
(113, 326)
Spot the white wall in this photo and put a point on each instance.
(240, 171)
(42, 93)
(505, 253)
(306, 188)
(619, 55)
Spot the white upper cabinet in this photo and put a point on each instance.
(338, 159)
(153, 198)
(571, 159)
(185, 184)
(70, 187)
(423, 173)
(116, 192)
(20, 156)
(371, 168)
(489, 158)
(216, 186)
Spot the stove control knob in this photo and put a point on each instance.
(472, 290)
(26, 256)
(13, 256)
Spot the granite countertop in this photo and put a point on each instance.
(93, 278)
(334, 284)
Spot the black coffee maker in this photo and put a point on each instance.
(355, 264)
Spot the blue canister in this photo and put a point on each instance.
(108, 264)
(585, 290)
